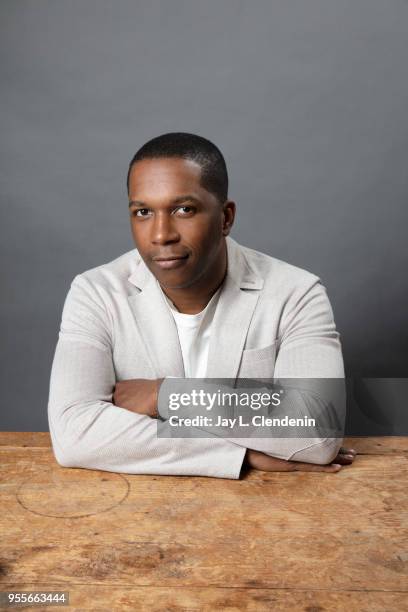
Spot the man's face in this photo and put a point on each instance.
(179, 227)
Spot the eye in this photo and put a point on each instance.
(185, 210)
(140, 212)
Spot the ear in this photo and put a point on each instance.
(228, 209)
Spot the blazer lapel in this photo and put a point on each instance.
(156, 325)
(238, 298)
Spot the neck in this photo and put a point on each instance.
(194, 299)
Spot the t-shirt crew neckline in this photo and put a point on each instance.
(190, 320)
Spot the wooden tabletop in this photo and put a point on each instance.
(271, 541)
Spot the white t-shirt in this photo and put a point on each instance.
(194, 331)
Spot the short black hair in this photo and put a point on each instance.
(214, 175)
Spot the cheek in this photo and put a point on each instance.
(138, 235)
(206, 235)
(212, 241)
(135, 236)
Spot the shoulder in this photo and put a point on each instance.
(279, 277)
(110, 277)
(294, 292)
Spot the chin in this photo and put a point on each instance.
(174, 283)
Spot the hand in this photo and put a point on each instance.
(138, 395)
(263, 462)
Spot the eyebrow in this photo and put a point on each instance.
(178, 200)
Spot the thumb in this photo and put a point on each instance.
(314, 467)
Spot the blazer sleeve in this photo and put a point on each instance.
(309, 348)
(88, 431)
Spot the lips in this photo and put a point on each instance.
(170, 257)
(170, 261)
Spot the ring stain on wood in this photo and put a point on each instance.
(72, 493)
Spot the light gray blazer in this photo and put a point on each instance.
(272, 319)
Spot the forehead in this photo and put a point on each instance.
(164, 176)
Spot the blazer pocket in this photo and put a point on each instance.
(258, 362)
(258, 354)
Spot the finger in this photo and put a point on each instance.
(347, 451)
(312, 467)
(344, 459)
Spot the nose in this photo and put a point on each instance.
(164, 230)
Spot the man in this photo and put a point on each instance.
(189, 301)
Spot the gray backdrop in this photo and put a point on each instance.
(307, 99)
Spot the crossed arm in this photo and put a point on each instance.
(97, 422)
(141, 396)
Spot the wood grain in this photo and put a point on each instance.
(158, 599)
(271, 541)
(371, 445)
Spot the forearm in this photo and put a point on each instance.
(260, 461)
